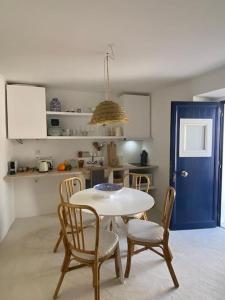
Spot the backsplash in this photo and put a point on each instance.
(60, 150)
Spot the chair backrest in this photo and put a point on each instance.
(78, 237)
(137, 181)
(68, 187)
(167, 209)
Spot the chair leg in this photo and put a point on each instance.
(168, 259)
(110, 227)
(144, 217)
(96, 272)
(171, 255)
(117, 269)
(125, 219)
(130, 249)
(93, 276)
(58, 241)
(64, 269)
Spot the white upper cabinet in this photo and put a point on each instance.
(137, 108)
(26, 108)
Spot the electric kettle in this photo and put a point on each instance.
(43, 166)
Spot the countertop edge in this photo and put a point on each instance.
(75, 171)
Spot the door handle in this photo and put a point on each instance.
(184, 173)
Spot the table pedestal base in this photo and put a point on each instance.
(106, 223)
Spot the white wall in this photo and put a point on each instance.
(159, 147)
(35, 198)
(7, 211)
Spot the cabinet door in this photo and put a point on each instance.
(137, 108)
(26, 108)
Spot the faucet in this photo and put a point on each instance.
(92, 161)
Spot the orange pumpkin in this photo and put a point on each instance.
(61, 167)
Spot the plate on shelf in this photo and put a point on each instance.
(108, 187)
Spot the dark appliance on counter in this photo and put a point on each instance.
(12, 167)
(144, 158)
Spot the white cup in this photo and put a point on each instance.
(67, 132)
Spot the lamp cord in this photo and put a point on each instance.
(109, 54)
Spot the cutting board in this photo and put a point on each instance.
(112, 155)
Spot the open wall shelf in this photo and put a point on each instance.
(85, 137)
(68, 114)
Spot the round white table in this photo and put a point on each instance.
(110, 205)
(124, 202)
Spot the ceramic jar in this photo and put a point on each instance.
(55, 105)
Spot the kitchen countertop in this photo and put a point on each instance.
(132, 167)
(77, 171)
(35, 174)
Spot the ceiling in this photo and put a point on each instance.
(62, 42)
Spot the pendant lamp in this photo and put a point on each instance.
(108, 111)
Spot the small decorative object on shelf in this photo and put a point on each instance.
(80, 163)
(55, 105)
(98, 147)
(68, 166)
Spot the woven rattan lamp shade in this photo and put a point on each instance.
(108, 112)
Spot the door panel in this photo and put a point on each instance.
(195, 155)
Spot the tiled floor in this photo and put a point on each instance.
(29, 270)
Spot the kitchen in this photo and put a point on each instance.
(163, 54)
(36, 195)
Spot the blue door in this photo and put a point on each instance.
(195, 166)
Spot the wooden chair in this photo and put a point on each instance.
(89, 246)
(66, 189)
(151, 235)
(139, 182)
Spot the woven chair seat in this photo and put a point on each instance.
(145, 231)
